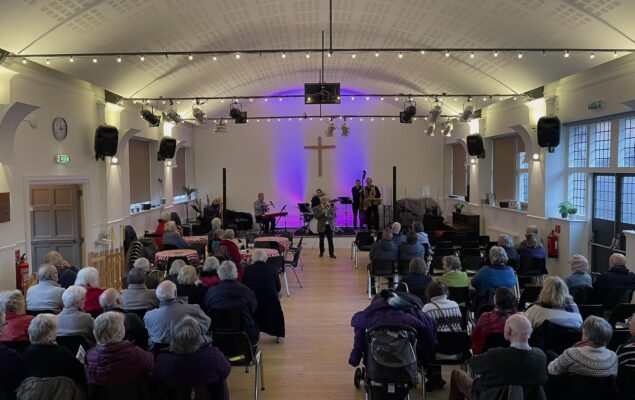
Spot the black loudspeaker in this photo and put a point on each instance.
(475, 146)
(167, 148)
(106, 139)
(548, 132)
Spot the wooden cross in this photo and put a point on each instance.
(319, 148)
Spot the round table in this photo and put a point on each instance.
(283, 242)
(165, 255)
(248, 253)
(196, 239)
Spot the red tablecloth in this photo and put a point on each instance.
(248, 253)
(282, 241)
(195, 239)
(165, 255)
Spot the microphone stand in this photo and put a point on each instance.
(285, 218)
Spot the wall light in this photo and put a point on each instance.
(535, 157)
(472, 161)
(114, 160)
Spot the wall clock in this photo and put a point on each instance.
(60, 128)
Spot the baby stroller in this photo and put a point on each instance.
(389, 368)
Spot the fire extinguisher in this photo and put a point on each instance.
(21, 270)
(552, 245)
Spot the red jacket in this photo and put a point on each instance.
(234, 251)
(488, 322)
(91, 305)
(17, 327)
(159, 231)
(118, 364)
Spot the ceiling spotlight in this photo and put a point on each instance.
(520, 54)
(467, 113)
(614, 54)
(142, 57)
(447, 53)
(435, 113)
(24, 61)
(423, 52)
(471, 54)
(405, 116)
(119, 59)
(447, 128)
(354, 55)
(367, 98)
(173, 116)
(382, 99)
(592, 56)
(330, 128)
(495, 53)
(396, 98)
(307, 55)
(352, 98)
(279, 98)
(48, 62)
(430, 129)
(284, 55)
(149, 116)
(544, 53)
(251, 100)
(566, 54)
(472, 161)
(214, 58)
(71, 59)
(94, 60)
(190, 57)
(199, 115)
(376, 54)
(346, 131)
(114, 160)
(238, 115)
(329, 54)
(400, 55)
(237, 56)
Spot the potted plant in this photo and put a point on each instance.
(189, 191)
(458, 207)
(566, 208)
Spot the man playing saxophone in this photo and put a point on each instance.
(372, 199)
(325, 215)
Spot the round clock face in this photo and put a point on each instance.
(60, 128)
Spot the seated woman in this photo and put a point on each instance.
(422, 237)
(496, 275)
(17, 320)
(10, 366)
(73, 320)
(187, 287)
(44, 358)
(214, 238)
(173, 273)
(114, 362)
(137, 296)
(192, 362)
(88, 277)
(160, 230)
(453, 275)
(209, 274)
(228, 250)
(411, 249)
(626, 359)
(505, 241)
(394, 308)
(144, 265)
(505, 303)
(417, 278)
(579, 278)
(172, 238)
(554, 305)
(264, 281)
(532, 249)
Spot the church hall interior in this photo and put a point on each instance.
(327, 199)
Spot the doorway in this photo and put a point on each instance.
(56, 222)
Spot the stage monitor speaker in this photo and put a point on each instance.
(167, 148)
(106, 139)
(548, 132)
(475, 146)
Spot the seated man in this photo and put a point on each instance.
(398, 237)
(47, 294)
(617, 277)
(384, 249)
(65, 272)
(170, 312)
(518, 364)
(394, 308)
(144, 264)
(135, 331)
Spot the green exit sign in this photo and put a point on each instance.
(596, 105)
(62, 159)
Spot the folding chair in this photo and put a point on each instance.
(620, 337)
(461, 295)
(529, 295)
(379, 269)
(493, 340)
(278, 262)
(73, 342)
(621, 312)
(591, 309)
(363, 241)
(293, 264)
(293, 249)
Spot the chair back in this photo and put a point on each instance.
(363, 240)
(296, 257)
(381, 267)
(420, 293)
(472, 263)
(616, 296)
(581, 295)
(470, 244)
(621, 312)
(301, 240)
(483, 309)
(229, 336)
(288, 235)
(494, 340)
(197, 392)
(620, 337)
(530, 266)
(469, 252)
(550, 336)
(278, 262)
(73, 342)
(591, 388)
(444, 245)
(436, 263)
(591, 309)
(454, 343)
(403, 267)
(18, 346)
(529, 295)
(512, 262)
(136, 391)
(35, 313)
(461, 295)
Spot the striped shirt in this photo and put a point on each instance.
(585, 360)
(446, 312)
(626, 355)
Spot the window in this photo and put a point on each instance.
(178, 176)
(577, 191)
(627, 143)
(523, 177)
(604, 197)
(628, 200)
(577, 146)
(600, 152)
(139, 162)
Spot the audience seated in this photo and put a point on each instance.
(554, 305)
(88, 277)
(113, 361)
(214, 237)
(264, 281)
(172, 238)
(171, 311)
(144, 264)
(209, 275)
(398, 238)
(422, 237)
(518, 364)
(394, 308)
(532, 248)
(187, 288)
(453, 275)
(73, 320)
(617, 277)
(579, 278)
(192, 362)
(229, 250)
(411, 248)
(494, 321)
(229, 293)
(531, 229)
(136, 332)
(383, 249)
(626, 360)
(417, 278)
(47, 294)
(17, 322)
(496, 275)
(137, 296)
(66, 273)
(173, 272)
(45, 359)
(160, 230)
(10, 366)
(505, 241)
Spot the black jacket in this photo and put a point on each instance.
(263, 279)
(233, 294)
(195, 294)
(50, 360)
(10, 371)
(618, 277)
(136, 331)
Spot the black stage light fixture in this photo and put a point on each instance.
(321, 93)
(405, 116)
(149, 116)
(238, 115)
(242, 119)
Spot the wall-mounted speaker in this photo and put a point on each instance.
(475, 146)
(548, 132)
(167, 148)
(106, 139)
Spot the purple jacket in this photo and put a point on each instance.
(205, 366)
(117, 364)
(379, 312)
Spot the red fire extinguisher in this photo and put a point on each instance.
(552, 245)
(21, 270)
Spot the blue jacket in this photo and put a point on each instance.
(410, 251)
(417, 282)
(493, 277)
(385, 249)
(398, 238)
(233, 294)
(578, 280)
(174, 239)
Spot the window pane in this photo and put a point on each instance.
(604, 197)
(628, 200)
(627, 143)
(577, 191)
(523, 186)
(577, 146)
(600, 156)
(521, 158)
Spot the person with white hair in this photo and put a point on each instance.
(496, 275)
(66, 273)
(187, 286)
(217, 223)
(172, 239)
(44, 358)
(10, 366)
(228, 250)
(173, 272)
(137, 296)
(170, 312)
(397, 237)
(519, 364)
(214, 237)
(263, 279)
(230, 293)
(136, 332)
(530, 230)
(192, 362)
(617, 277)
(505, 241)
(73, 320)
(143, 264)
(579, 278)
(17, 321)
(47, 294)
(163, 218)
(115, 362)
(88, 277)
(209, 275)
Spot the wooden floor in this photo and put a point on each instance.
(312, 361)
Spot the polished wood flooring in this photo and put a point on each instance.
(312, 361)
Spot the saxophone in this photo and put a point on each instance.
(371, 199)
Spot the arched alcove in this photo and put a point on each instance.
(11, 119)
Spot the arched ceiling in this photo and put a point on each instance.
(81, 26)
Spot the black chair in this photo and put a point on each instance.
(293, 264)
(444, 245)
(456, 344)
(144, 390)
(469, 244)
(363, 241)
(591, 309)
(465, 314)
(512, 262)
(616, 296)
(620, 337)
(293, 249)
(229, 336)
(590, 388)
(556, 338)
(483, 309)
(494, 340)
(198, 392)
(621, 312)
(379, 268)
(461, 295)
(472, 263)
(581, 295)
(436, 263)
(625, 379)
(288, 235)
(469, 252)
(529, 295)
(278, 262)
(18, 346)
(443, 251)
(35, 313)
(532, 266)
(73, 342)
(403, 267)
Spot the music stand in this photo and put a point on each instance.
(345, 201)
(307, 212)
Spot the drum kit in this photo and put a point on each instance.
(311, 223)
